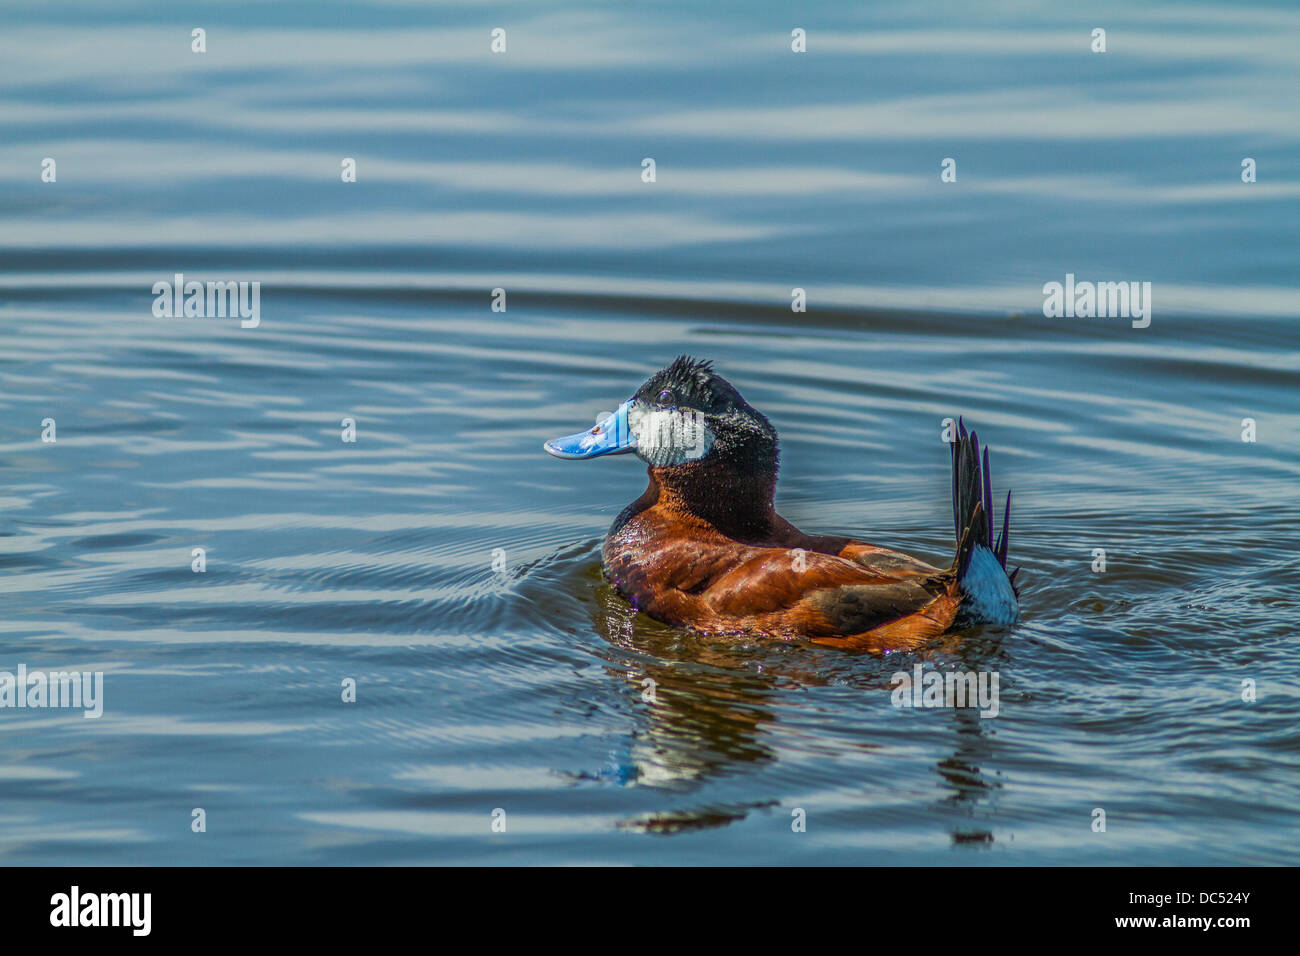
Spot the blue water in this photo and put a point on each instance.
(521, 689)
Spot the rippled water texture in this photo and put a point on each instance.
(521, 689)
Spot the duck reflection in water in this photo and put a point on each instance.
(707, 709)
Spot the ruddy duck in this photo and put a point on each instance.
(704, 548)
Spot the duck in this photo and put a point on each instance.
(703, 548)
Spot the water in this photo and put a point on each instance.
(522, 690)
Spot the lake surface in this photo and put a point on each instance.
(519, 687)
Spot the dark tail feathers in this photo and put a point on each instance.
(972, 504)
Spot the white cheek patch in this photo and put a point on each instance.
(669, 436)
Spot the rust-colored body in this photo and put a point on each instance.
(693, 564)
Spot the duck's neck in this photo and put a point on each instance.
(735, 500)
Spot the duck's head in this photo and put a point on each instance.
(686, 419)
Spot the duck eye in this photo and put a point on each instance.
(666, 397)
